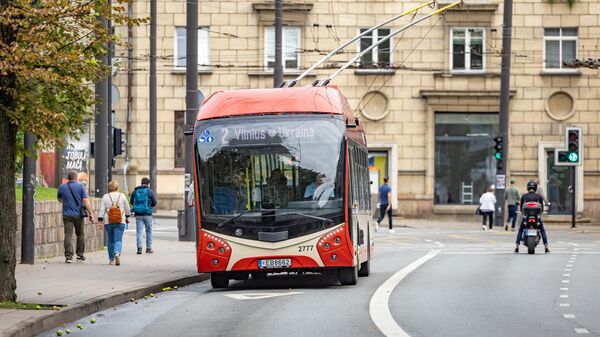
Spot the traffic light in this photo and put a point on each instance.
(572, 154)
(573, 145)
(118, 141)
(498, 146)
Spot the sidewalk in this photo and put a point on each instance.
(86, 287)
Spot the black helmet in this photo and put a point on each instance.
(531, 186)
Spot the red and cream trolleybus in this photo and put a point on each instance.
(282, 185)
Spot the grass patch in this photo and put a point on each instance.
(41, 193)
(27, 306)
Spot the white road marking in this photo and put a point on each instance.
(569, 316)
(379, 308)
(564, 289)
(580, 330)
(567, 275)
(260, 296)
(569, 265)
(568, 269)
(565, 281)
(564, 305)
(564, 296)
(427, 240)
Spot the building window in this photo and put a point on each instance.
(380, 56)
(179, 139)
(467, 49)
(560, 45)
(181, 48)
(459, 136)
(291, 47)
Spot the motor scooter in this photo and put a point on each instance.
(532, 212)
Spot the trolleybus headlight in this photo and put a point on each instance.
(215, 262)
(221, 250)
(333, 257)
(210, 245)
(326, 246)
(337, 240)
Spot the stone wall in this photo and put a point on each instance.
(49, 230)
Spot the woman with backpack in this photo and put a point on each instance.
(116, 214)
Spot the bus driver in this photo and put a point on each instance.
(319, 190)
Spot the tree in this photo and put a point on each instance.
(48, 64)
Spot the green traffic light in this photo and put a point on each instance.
(498, 155)
(573, 157)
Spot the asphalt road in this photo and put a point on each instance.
(473, 285)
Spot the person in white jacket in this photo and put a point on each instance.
(114, 227)
(487, 205)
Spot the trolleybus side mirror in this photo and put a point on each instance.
(189, 132)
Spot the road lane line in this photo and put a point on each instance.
(564, 296)
(379, 308)
(569, 316)
(564, 305)
(565, 281)
(579, 330)
(567, 275)
(564, 289)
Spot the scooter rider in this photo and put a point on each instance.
(532, 196)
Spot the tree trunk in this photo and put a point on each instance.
(8, 210)
(8, 207)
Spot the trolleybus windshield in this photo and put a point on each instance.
(271, 178)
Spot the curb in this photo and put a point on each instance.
(38, 325)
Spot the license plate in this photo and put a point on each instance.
(275, 263)
(531, 232)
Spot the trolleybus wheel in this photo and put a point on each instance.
(219, 280)
(348, 275)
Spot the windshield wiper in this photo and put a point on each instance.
(225, 222)
(313, 217)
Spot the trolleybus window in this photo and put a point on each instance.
(280, 173)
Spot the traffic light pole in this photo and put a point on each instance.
(573, 197)
(504, 100)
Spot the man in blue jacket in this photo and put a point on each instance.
(142, 201)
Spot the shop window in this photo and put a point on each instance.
(464, 156)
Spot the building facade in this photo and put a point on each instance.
(429, 98)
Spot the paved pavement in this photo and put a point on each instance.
(88, 285)
(473, 285)
(83, 288)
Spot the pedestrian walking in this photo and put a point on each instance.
(114, 217)
(75, 208)
(385, 203)
(512, 198)
(142, 201)
(487, 204)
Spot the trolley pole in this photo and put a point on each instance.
(278, 68)
(28, 225)
(504, 102)
(188, 232)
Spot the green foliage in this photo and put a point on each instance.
(41, 193)
(51, 51)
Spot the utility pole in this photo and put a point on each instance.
(27, 219)
(188, 232)
(278, 68)
(101, 130)
(504, 102)
(153, 18)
